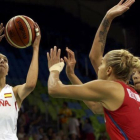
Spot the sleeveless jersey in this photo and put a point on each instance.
(124, 123)
(8, 114)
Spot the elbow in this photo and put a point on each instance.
(52, 93)
(31, 87)
(95, 112)
(92, 58)
(31, 84)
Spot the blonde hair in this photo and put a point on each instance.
(122, 62)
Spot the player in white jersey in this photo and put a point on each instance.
(12, 97)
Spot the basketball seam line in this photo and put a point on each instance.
(29, 30)
(17, 32)
(7, 35)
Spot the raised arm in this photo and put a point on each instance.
(95, 107)
(97, 50)
(22, 91)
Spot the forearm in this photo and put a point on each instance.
(95, 107)
(97, 50)
(74, 79)
(32, 75)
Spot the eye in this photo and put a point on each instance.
(133, 73)
(5, 60)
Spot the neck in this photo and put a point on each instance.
(113, 78)
(2, 82)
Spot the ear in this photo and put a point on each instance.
(109, 71)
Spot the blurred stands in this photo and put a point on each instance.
(61, 29)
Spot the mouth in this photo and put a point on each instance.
(137, 83)
(2, 66)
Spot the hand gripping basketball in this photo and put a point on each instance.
(37, 31)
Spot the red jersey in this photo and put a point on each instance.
(124, 123)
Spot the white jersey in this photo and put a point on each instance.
(8, 114)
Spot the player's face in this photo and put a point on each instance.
(3, 65)
(136, 79)
(102, 70)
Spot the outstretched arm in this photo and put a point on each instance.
(97, 50)
(22, 91)
(94, 92)
(95, 107)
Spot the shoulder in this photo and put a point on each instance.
(106, 86)
(15, 88)
(15, 91)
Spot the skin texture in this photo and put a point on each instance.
(136, 79)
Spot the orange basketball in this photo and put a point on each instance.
(20, 31)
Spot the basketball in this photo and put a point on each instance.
(20, 31)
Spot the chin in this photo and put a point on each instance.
(138, 90)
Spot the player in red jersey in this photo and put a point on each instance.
(121, 103)
(119, 126)
(97, 51)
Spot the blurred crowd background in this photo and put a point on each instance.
(63, 23)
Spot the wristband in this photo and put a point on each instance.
(59, 67)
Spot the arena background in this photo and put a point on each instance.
(71, 23)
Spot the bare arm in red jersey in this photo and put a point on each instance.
(95, 107)
(1, 31)
(97, 50)
(22, 91)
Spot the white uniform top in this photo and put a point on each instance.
(8, 114)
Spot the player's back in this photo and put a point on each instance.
(8, 114)
(124, 123)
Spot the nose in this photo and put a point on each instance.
(135, 76)
(2, 61)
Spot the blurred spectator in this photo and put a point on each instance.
(44, 138)
(41, 133)
(21, 133)
(53, 136)
(80, 126)
(88, 130)
(50, 133)
(64, 115)
(73, 127)
(103, 136)
(26, 137)
(65, 137)
(22, 119)
(35, 119)
(60, 135)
